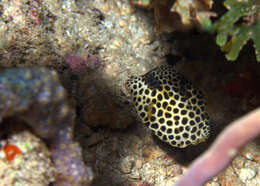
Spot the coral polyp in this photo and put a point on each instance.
(11, 151)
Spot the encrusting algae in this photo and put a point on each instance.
(35, 96)
(170, 106)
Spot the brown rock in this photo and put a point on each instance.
(151, 152)
(101, 107)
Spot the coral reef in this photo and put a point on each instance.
(223, 151)
(96, 46)
(234, 29)
(241, 23)
(78, 64)
(42, 32)
(178, 15)
(194, 11)
(36, 96)
(32, 167)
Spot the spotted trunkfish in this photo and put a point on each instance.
(171, 106)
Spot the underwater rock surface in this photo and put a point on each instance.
(24, 159)
(36, 96)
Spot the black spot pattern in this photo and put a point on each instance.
(171, 106)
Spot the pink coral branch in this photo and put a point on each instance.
(223, 150)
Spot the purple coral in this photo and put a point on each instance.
(68, 154)
(36, 96)
(79, 64)
(76, 63)
(223, 150)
